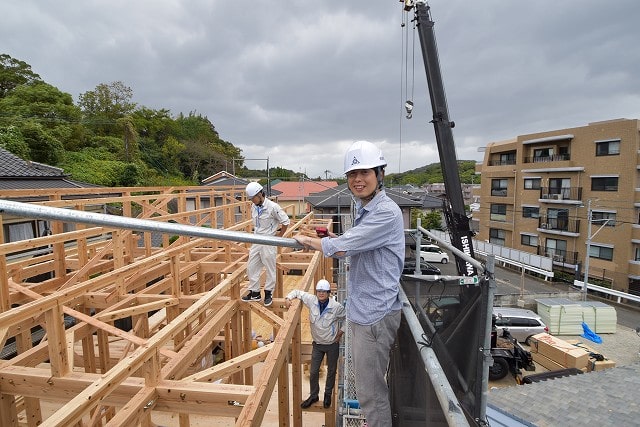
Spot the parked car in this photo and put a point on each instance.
(425, 267)
(521, 323)
(432, 253)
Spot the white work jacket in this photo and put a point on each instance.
(325, 325)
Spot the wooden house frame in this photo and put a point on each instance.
(180, 301)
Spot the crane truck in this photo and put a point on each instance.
(506, 359)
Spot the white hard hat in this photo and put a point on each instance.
(363, 155)
(323, 285)
(253, 188)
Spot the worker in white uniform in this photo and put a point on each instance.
(269, 219)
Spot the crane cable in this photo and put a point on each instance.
(406, 101)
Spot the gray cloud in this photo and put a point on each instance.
(297, 81)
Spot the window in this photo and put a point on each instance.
(558, 219)
(555, 247)
(608, 148)
(528, 240)
(606, 183)
(508, 158)
(560, 186)
(542, 154)
(498, 212)
(598, 217)
(637, 254)
(601, 252)
(497, 236)
(499, 187)
(19, 231)
(532, 183)
(530, 212)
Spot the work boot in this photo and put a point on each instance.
(327, 400)
(252, 296)
(267, 298)
(310, 401)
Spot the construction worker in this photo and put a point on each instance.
(325, 314)
(376, 247)
(269, 219)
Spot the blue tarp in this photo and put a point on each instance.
(590, 335)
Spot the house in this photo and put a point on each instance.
(336, 203)
(19, 174)
(292, 194)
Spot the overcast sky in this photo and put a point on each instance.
(298, 81)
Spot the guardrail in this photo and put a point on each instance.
(619, 294)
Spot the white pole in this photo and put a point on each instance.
(586, 259)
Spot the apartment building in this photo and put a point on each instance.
(539, 190)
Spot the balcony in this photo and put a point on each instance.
(547, 159)
(502, 162)
(559, 256)
(559, 225)
(570, 195)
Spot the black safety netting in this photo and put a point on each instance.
(453, 320)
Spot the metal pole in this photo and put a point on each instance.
(451, 408)
(586, 259)
(487, 359)
(45, 212)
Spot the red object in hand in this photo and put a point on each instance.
(322, 231)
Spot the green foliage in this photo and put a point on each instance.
(104, 105)
(47, 107)
(43, 146)
(11, 140)
(432, 174)
(430, 220)
(14, 73)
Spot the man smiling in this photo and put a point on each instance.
(375, 244)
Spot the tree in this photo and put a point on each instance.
(11, 140)
(431, 220)
(14, 73)
(205, 152)
(104, 105)
(130, 138)
(46, 105)
(43, 147)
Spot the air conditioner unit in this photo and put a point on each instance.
(557, 196)
(557, 258)
(544, 225)
(545, 196)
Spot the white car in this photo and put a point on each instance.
(432, 253)
(521, 323)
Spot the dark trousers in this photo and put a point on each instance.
(317, 354)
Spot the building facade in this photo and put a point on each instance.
(539, 191)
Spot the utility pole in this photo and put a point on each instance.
(586, 259)
(589, 236)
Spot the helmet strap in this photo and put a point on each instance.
(380, 175)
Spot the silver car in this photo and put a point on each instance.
(522, 324)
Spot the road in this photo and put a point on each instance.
(511, 282)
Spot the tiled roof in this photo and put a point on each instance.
(28, 184)
(610, 397)
(12, 166)
(293, 190)
(226, 182)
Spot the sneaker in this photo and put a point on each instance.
(251, 296)
(267, 298)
